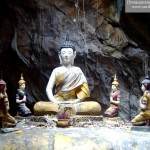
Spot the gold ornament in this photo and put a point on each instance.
(21, 81)
(115, 82)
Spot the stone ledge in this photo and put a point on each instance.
(141, 128)
(102, 138)
(38, 119)
(75, 121)
(80, 119)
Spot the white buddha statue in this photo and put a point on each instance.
(69, 85)
(69, 81)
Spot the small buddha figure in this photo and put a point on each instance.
(112, 111)
(144, 115)
(21, 99)
(69, 85)
(5, 117)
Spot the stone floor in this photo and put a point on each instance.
(111, 135)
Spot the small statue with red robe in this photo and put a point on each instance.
(113, 109)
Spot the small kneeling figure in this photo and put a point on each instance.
(5, 117)
(21, 99)
(112, 111)
(144, 114)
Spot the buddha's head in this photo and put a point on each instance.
(115, 84)
(67, 53)
(2, 85)
(146, 84)
(22, 83)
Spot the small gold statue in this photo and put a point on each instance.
(112, 111)
(21, 99)
(144, 115)
(5, 117)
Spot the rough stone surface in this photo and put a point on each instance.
(104, 133)
(75, 138)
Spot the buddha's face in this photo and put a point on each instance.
(22, 87)
(67, 56)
